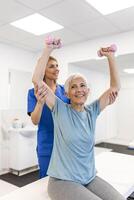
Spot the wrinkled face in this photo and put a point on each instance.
(78, 91)
(52, 70)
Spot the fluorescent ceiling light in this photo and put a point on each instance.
(37, 24)
(107, 7)
(129, 70)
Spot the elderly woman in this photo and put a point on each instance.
(72, 166)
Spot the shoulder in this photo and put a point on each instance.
(31, 92)
(94, 107)
(61, 87)
(59, 105)
(61, 94)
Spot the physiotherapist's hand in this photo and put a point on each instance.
(112, 97)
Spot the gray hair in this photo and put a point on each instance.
(72, 77)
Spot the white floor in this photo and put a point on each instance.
(118, 141)
(99, 150)
(6, 188)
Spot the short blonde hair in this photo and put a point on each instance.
(52, 58)
(72, 77)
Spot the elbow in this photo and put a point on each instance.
(34, 80)
(34, 122)
(116, 87)
(34, 119)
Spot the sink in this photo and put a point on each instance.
(28, 131)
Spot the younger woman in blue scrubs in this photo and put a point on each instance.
(41, 114)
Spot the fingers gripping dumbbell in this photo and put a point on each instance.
(52, 41)
(112, 48)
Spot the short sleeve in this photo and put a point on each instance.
(94, 108)
(59, 108)
(31, 101)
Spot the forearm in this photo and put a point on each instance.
(36, 114)
(114, 74)
(40, 68)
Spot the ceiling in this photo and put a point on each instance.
(80, 20)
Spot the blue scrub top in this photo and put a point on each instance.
(45, 134)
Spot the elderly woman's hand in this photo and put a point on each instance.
(106, 52)
(53, 43)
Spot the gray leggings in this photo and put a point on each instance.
(98, 189)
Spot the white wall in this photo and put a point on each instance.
(15, 59)
(12, 58)
(125, 110)
(19, 82)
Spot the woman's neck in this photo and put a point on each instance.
(78, 107)
(51, 83)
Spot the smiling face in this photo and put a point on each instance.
(52, 70)
(78, 91)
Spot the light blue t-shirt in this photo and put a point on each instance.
(73, 151)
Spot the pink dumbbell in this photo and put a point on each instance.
(49, 40)
(112, 48)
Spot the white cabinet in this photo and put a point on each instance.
(22, 148)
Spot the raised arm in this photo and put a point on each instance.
(40, 67)
(43, 92)
(110, 95)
